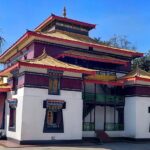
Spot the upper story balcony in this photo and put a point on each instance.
(103, 99)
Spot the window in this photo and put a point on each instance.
(54, 87)
(90, 48)
(12, 114)
(12, 119)
(54, 119)
(54, 116)
(54, 81)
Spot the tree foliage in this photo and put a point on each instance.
(123, 42)
(118, 41)
(143, 62)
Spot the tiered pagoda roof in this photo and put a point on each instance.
(48, 62)
(69, 37)
(54, 18)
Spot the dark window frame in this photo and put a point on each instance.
(53, 128)
(54, 92)
(12, 118)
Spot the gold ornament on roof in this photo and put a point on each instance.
(64, 12)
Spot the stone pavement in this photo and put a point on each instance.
(106, 146)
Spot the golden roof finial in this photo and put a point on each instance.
(64, 12)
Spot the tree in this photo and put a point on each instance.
(122, 42)
(143, 62)
(118, 41)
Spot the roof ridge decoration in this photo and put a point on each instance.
(137, 72)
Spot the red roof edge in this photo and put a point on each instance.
(17, 42)
(143, 79)
(3, 72)
(5, 89)
(28, 33)
(56, 68)
(134, 54)
(54, 17)
(105, 60)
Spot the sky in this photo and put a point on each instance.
(128, 17)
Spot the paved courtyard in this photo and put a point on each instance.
(108, 146)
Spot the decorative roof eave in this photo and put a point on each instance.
(98, 46)
(136, 75)
(113, 83)
(31, 33)
(7, 71)
(64, 19)
(14, 46)
(56, 68)
(5, 89)
(105, 60)
(136, 79)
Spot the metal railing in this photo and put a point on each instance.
(110, 99)
(114, 127)
(88, 126)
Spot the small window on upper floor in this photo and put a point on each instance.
(90, 48)
(54, 82)
(54, 86)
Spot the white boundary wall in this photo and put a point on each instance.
(137, 117)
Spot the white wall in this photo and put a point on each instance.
(17, 133)
(116, 133)
(137, 118)
(88, 134)
(34, 115)
(142, 117)
(130, 117)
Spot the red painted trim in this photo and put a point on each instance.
(137, 78)
(15, 44)
(54, 17)
(55, 68)
(5, 89)
(31, 33)
(114, 83)
(3, 72)
(86, 44)
(142, 79)
(94, 59)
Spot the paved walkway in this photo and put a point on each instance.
(107, 146)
